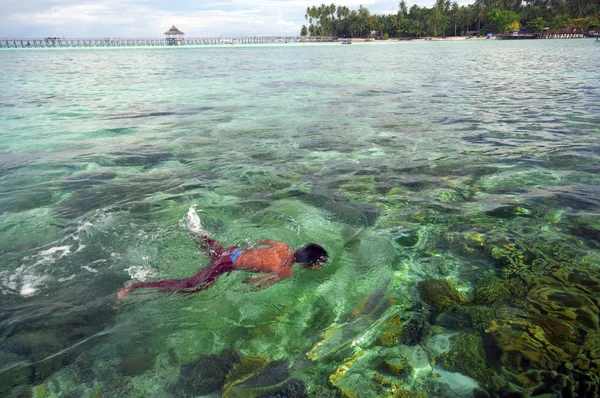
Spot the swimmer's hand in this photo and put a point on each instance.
(121, 295)
(123, 292)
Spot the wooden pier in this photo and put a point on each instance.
(56, 42)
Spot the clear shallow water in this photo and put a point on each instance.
(409, 161)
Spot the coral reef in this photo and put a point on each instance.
(499, 291)
(553, 351)
(520, 260)
(520, 251)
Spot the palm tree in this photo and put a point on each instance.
(479, 9)
(417, 23)
(403, 8)
(455, 15)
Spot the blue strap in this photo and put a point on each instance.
(235, 253)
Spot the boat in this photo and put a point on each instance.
(346, 41)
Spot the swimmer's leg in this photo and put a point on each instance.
(202, 280)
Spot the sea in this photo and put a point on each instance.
(454, 184)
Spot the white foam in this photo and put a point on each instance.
(192, 223)
(85, 227)
(27, 290)
(90, 269)
(35, 269)
(68, 278)
(140, 273)
(49, 256)
(27, 279)
(29, 282)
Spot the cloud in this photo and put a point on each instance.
(151, 18)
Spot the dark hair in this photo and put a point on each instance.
(312, 255)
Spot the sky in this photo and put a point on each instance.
(151, 18)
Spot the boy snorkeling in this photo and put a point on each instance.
(274, 260)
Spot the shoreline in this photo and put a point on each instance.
(394, 39)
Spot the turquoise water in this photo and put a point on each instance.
(474, 162)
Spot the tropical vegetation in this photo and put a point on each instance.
(447, 18)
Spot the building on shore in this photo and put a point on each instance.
(174, 36)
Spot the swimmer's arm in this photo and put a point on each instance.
(266, 280)
(260, 278)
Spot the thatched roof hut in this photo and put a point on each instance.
(173, 32)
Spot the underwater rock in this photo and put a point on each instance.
(417, 328)
(441, 294)
(391, 332)
(258, 376)
(389, 339)
(354, 377)
(590, 233)
(459, 384)
(294, 388)
(273, 374)
(321, 392)
(405, 236)
(509, 212)
(467, 356)
(437, 329)
(83, 368)
(456, 320)
(342, 369)
(36, 350)
(439, 344)
(136, 365)
(15, 376)
(399, 367)
(205, 375)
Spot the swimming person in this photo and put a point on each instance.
(274, 261)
